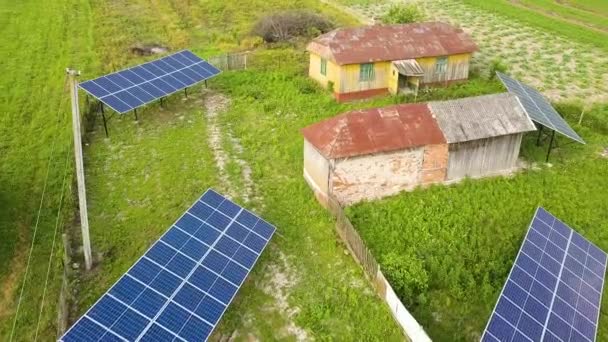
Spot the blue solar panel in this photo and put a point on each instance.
(553, 292)
(180, 288)
(539, 109)
(131, 88)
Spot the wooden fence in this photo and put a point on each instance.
(355, 244)
(231, 61)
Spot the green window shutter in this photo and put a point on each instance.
(442, 65)
(323, 66)
(366, 72)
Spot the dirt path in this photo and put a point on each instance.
(282, 276)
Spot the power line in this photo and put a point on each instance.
(29, 258)
(48, 271)
(48, 169)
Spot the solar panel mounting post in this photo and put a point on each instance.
(135, 112)
(82, 194)
(540, 131)
(103, 116)
(550, 146)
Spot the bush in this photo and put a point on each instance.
(407, 276)
(287, 25)
(497, 65)
(402, 14)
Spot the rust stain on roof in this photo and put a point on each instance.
(376, 43)
(375, 130)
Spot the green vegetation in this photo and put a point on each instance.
(577, 16)
(38, 43)
(402, 14)
(594, 6)
(533, 18)
(460, 241)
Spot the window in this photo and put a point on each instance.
(442, 65)
(323, 66)
(366, 72)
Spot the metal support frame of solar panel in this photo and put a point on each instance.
(554, 289)
(134, 87)
(182, 285)
(539, 109)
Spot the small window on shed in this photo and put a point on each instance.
(442, 65)
(366, 72)
(323, 66)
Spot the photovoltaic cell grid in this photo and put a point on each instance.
(539, 109)
(553, 292)
(128, 89)
(179, 289)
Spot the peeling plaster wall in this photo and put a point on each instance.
(316, 171)
(375, 176)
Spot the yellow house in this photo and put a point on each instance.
(365, 61)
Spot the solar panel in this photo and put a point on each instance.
(182, 285)
(539, 109)
(554, 290)
(134, 87)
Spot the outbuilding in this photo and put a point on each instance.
(372, 153)
(371, 60)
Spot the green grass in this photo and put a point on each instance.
(595, 6)
(457, 243)
(581, 17)
(38, 43)
(532, 18)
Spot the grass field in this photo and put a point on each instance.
(37, 44)
(448, 249)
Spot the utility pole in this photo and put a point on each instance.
(82, 192)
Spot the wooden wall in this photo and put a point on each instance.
(314, 71)
(349, 78)
(457, 69)
(483, 157)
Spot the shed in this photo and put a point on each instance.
(483, 133)
(372, 153)
(364, 61)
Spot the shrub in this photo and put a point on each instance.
(497, 65)
(287, 25)
(407, 276)
(402, 14)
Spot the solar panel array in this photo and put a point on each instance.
(554, 290)
(179, 289)
(128, 89)
(539, 109)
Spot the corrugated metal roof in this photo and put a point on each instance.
(391, 42)
(481, 117)
(374, 130)
(409, 67)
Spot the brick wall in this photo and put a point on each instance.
(434, 164)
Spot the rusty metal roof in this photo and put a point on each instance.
(376, 43)
(480, 117)
(408, 67)
(374, 130)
